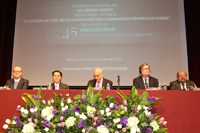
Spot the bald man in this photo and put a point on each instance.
(99, 81)
(182, 83)
(17, 82)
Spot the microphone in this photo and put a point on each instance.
(118, 81)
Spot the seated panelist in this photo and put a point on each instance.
(99, 81)
(17, 82)
(57, 85)
(145, 81)
(182, 83)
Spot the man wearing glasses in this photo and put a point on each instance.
(17, 82)
(182, 83)
(145, 81)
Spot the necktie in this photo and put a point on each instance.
(98, 84)
(146, 84)
(15, 85)
(183, 85)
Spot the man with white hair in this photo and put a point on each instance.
(17, 82)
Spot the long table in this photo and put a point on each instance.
(179, 108)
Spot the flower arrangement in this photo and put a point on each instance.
(87, 113)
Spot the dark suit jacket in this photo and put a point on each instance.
(104, 84)
(175, 85)
(139, 83)
(23, 83)
(61, 86)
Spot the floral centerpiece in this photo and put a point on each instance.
(87, 113)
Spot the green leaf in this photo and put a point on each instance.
(134, 92)
(39, 91)
(83, 108)
(84, 94)
(32, 99)
(55, 94)
(144, 97)
(44, 95)
(122, 96)
(26, 100)
(95, 98)
(122, 112)
(90, 93)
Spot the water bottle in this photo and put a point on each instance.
(160, 87)
(108, 86)
(49, 86)
(165, 86)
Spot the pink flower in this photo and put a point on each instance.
(162, 119)
(95, 118)
(124, 129)
(92, 116)
(43, 101)
(122, 106)
(34, 125)
(116, 132)
(59, 124)
(36, 120)
(63, 124)
(49, 102)
(61, 118)
(125, 102)
(52, 101)
(165, 122)
(125, 108)
(94, 123)
(29, 120)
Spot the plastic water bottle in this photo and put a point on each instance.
(49, 86)
(165, 86)
(108, 86)
(160, 87)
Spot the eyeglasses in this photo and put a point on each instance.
(182, 75)
(17, 71)
(145, 69)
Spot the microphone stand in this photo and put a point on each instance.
(118, 81)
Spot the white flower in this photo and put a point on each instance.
(46, 129)
(107, 109)
(62, 104)
(83, 130)
(28, 128)
(116, 120)
(18, 106)
(102, 112)
(77, 114)
(66, 107)
(132, 122)
(147, 112)
(8, 121)
(13, 122)
(5, 126)
(154, 125)
(108, 113)
(90, 110)
(102, 129)
(70, 121)
(111, 105)
(49, 117)
(69, 100)
(133, 130)
(145, 107)
(25, 111)
(36, 109)
(22, 109)
(82, 116)
(32, 110)
(139, 107)
(119, 126)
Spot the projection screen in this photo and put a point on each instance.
(77, 36)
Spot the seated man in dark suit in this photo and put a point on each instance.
(57, 85)
(17, 82)
(99, 81)
(145, 81)
(182, 83)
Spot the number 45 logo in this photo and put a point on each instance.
(70, 34)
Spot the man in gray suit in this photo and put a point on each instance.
(99, 81)
(57, 85)
(17, 82)
(145, 81)
(182, 83)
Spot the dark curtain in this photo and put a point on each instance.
(7, 26)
